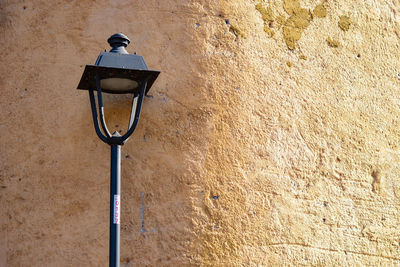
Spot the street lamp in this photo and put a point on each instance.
(116, 72)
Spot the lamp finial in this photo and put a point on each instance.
(118, 42)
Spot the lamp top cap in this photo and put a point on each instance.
(118, 39)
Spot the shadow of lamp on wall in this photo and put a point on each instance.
(116, 72)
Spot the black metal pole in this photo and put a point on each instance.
(115, 141)
(115, 204)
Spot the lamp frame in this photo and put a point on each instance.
(115, 140)
(116, 64)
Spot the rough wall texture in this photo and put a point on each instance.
(271, 137)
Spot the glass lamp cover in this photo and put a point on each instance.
(118, 84)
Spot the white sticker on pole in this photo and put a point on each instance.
(117, 209)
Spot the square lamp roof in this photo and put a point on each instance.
(115, 65)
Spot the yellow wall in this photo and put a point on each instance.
(271, 137)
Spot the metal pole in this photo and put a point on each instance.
(115, 204)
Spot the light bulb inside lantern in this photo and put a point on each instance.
(118, 84)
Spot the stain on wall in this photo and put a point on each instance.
(344, 23)
(268, 18)
(294, 25)
(333, 42)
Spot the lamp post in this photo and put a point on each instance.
(116, 72)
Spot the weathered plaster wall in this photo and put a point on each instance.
(271, 137)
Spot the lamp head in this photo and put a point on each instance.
(119, 71)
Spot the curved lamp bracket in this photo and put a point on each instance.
(103, 133)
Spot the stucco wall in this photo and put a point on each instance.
(271, 138)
